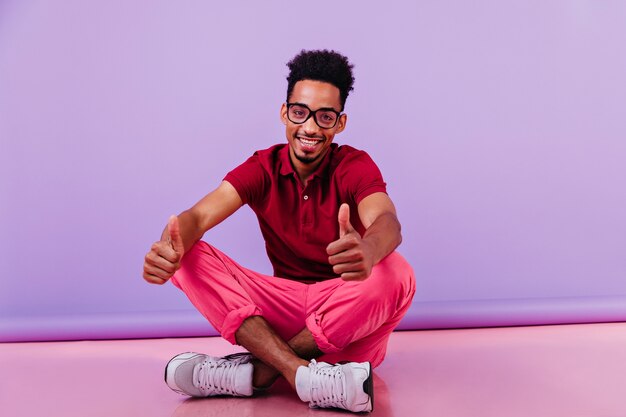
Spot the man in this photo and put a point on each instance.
(338, 289)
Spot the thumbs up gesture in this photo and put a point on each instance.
(351, 257)
(164, 257)
(176, 241)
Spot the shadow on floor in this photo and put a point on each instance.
(279, 401)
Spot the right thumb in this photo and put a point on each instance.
(177, 241)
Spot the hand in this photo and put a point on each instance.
(351, 257)
(164, 257)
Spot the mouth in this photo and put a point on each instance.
(308, 144)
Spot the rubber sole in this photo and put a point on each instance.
(173, 386)
(368, 386)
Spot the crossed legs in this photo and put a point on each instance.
(284, 323)
(273, 356)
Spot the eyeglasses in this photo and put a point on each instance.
(326, 118)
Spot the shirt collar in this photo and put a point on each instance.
(322, 170)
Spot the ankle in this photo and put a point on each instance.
(263, 375)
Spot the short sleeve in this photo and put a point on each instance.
(250, 180)
(361, 176)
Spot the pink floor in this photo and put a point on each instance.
(573, 370)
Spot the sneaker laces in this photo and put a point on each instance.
(327, 386)
(217, 377)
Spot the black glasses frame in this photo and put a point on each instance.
(314, 114)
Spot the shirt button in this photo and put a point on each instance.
(306, 197)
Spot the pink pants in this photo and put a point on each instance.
(349, 320)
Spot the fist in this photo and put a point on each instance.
(164, 257)
(350, 256)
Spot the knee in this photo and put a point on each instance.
(201, 252)
(201, 257)
(395, 276)
(198, 250)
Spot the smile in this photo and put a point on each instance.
(308, 142)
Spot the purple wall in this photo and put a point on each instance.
(499, 128)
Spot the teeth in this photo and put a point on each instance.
(308, 142)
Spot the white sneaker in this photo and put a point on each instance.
(201, 375)
(349, 386)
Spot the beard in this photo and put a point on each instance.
(305, 159)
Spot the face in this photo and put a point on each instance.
(308, 143)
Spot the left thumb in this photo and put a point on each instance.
(344, 220)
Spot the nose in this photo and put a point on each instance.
(310, 127)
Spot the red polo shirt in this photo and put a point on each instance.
(299, 221)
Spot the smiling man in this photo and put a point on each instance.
(338, 289)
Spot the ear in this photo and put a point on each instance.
(341, 123)
(283, 114)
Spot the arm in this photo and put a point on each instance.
(207, 213)
(378, 215)
(353, 256)
(184, 230)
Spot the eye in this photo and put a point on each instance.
(327, 117)
(298, 112)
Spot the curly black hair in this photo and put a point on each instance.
(321, 65)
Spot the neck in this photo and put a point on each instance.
(304, 170)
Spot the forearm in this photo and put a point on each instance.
(206, 213)
(190, 230)
(383, 236)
